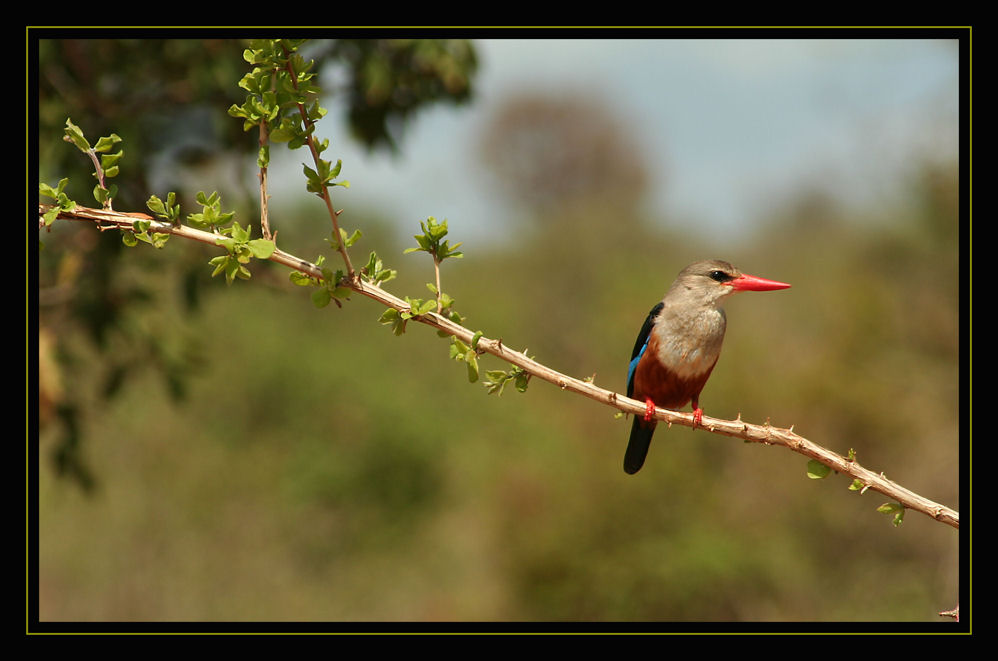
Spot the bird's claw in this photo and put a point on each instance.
(697, 417)
(649, 410)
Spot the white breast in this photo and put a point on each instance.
(689, 344)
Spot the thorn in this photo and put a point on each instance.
(954, 613)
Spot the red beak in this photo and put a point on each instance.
(747, 282)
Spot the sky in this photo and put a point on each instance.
(728, 128)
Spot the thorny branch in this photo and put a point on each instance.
(766, 434)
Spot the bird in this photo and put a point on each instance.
(679, 345)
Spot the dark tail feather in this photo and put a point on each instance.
(637, 446)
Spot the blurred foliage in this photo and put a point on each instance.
(388, 80)
(162, 96)
(548, 150)
(323, 469)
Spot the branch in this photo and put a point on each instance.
(766, 434)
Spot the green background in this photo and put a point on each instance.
(306, 465)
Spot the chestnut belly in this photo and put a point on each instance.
(668, 388)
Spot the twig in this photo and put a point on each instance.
(766, 434)
(264, 197)
(333, 215)
(436, 271)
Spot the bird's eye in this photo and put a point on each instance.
(720, 276)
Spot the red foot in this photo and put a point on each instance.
(649, 410)
(697, 417)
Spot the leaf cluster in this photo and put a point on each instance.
(329, 288)
(375, 272)
(432, 241)
(497, 380)
(817, 471)
(211, 216)
(62, 201)
(140, 232)
(240, 249)
(169, 210)
(397, 318)
(106, 166)
(283, 103)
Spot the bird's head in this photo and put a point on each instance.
(709, 281)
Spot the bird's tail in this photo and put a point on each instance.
(637, 445)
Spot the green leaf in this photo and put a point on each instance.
(458, 349)
(219, 263)
(48, 191)
(51, 215)
(239, 234)
(897, 509)
(262, 248)
(321, 297)
(392, 317)
(206, 200)
(156, 205)
(75, 136)
(344, 239)
(283, 133)
(352, 239)
(301, 279)
(109, 161)
(472, 360)
(817, 470)
(106, 144)
(101, 195)
(495, 381)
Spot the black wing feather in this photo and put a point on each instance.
(640, 344)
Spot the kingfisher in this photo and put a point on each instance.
(679, 344)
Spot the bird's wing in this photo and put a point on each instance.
(640, 345)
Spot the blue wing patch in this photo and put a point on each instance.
(640, 345)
